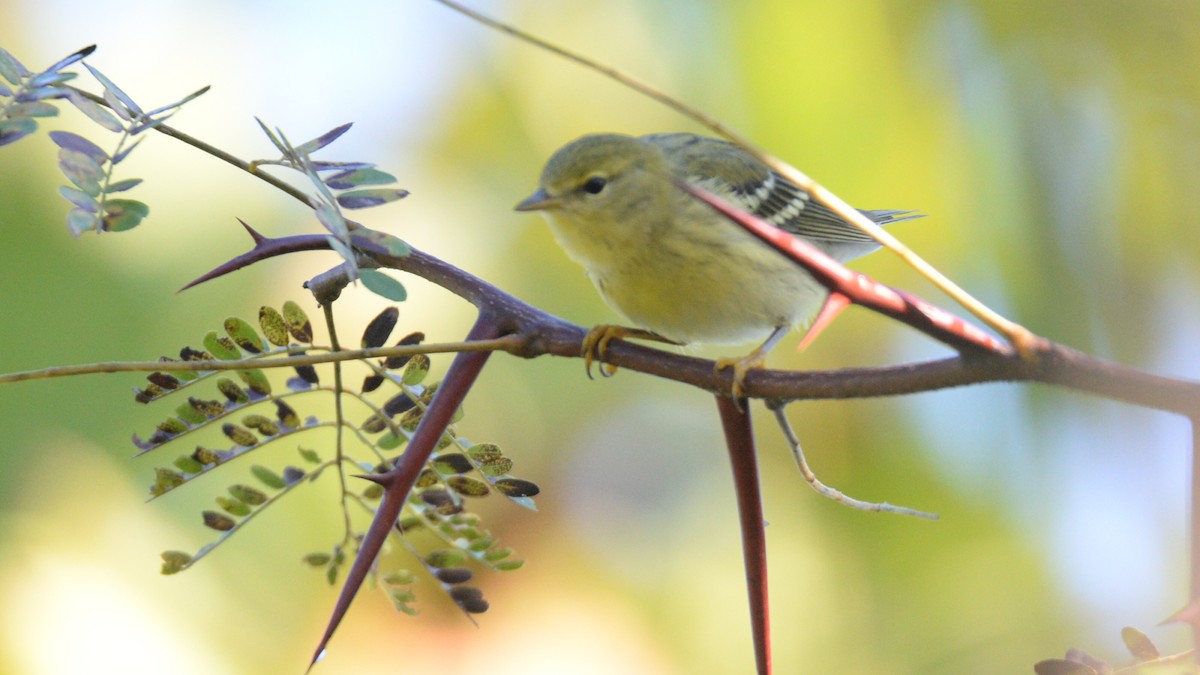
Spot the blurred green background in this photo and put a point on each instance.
(1054, 146)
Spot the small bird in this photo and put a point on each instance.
(678, 270)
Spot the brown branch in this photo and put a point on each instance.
(542, 333)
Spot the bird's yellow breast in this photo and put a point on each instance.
(714, 284)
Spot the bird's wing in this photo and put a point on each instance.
(734, 174)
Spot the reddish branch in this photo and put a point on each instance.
(739, 440)
(848, 287)
(398, 482)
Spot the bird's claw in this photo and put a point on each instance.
(595, 344)
(741, 366)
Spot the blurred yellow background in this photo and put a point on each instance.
(1054, 146)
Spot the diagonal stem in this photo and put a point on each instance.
(398, 482)
(340, 417)
(858, 288)
(739, 440)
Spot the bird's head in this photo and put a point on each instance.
(598, 177)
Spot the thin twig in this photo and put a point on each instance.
(506, 343)
(832, 493)
(1146, 666)
(211, 150)
(340, 417)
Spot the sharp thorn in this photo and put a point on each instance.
(834, 304)
(381, 479)
(254, 234)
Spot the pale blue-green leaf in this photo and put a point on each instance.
(341, 248)
(12, 131)
(70, 141)
(526, 502)
(147, 123)
(180, 103)
(347, 255)
(4, 90)
(290, 157)
(379, 243)
(324, 195)
(365, 199)
(80, 199)
(116, 91)
(34, 109)
(273, 138)
(346, 180)
(80, 221)
(116, 106)
(333, 221)
(120, 156)
(81, 179)
(11, 68)
(123, 214)
(49, 78)
(382, 285)
(79, 55)
(122, 185)
(309, 147)
(81, 170)
(287, 143)
(340, 166)
(96, 112)
(43, 93)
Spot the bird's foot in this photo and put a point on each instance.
(595, 344)
(741, 366)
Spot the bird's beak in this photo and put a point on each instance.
(538, 201)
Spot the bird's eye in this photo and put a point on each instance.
(594, 185)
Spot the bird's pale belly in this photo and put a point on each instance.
(732, 298)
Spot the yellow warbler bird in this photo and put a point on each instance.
(670, 263)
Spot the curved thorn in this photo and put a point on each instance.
(834, 304)
(381, 479)
(454, 388)
(254, 234)
(264, 247)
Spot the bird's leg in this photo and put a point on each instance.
(754, 359)
(595, 344)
